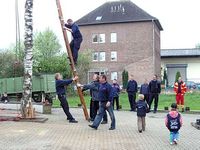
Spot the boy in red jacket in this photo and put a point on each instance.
(173, 122)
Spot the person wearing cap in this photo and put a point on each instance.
(77, 38)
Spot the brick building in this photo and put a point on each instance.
(122, 36)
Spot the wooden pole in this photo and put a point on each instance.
(69, 52)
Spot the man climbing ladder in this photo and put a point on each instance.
(69, 52)
(77, 38)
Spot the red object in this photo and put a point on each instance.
(180, 96)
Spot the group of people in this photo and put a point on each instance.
(102, 95)
(150, 91)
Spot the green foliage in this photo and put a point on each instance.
(46, 45)
(178, 74)
(9, 65)
(165, 78)
(124, 79)
(84, 65)
(198, 45)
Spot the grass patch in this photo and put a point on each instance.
(192, 100)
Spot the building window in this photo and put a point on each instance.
(95, 38)
(113, 37)
(113, 56)
(113, 75)
(98, 18)
(102, 56)
(95, 56)
(101, 38)
(98, 38)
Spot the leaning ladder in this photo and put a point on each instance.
(69, 52)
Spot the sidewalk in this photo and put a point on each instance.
(58, 134)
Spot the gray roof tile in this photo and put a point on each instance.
(117, 12)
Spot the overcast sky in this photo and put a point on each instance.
(180, 19)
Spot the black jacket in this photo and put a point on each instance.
(142, 107)
(132, 86)
(154, 87)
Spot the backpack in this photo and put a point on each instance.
(174, 124)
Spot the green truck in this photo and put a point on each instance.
(42, 85)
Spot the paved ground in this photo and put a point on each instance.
(58, 134)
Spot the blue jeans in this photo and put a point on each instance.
(101, 112)
(173, 136)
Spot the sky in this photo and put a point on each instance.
(179, 18)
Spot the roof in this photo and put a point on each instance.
(194, 52)
(122, 11)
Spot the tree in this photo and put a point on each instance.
(178, 74)
(46, 45)
(9, 66)
(28, 59)
(165, 78)
(125, 79)
(197, 45)
(83, 67)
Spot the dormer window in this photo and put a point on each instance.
(98, 18)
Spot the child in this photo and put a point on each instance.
(142, 107)
(173, 122)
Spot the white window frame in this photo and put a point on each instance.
(114, 75)
(113, 37)
(102, 58)
(113, 53)
(102, 38)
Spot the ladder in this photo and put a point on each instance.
(69, 52)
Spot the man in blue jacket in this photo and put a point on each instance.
(94, 92)
(77, 38)
(105, 100)
(132, 89)
(60, 90)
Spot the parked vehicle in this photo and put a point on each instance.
(191, 85)
(42, 85)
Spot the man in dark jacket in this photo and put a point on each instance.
(142, 107)
(144, 89)
(154, 89)
(77, 38)
(60, 90)
(116, 91)
(132, 90)
(94, 103)
(105, 100)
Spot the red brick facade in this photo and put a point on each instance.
(137, 47)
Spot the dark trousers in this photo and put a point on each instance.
(117, 102)
(132, 97)
(65, 106)
(155, 97)
(94, 107)
(102, 112)
(146, 98)
(75, 46)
